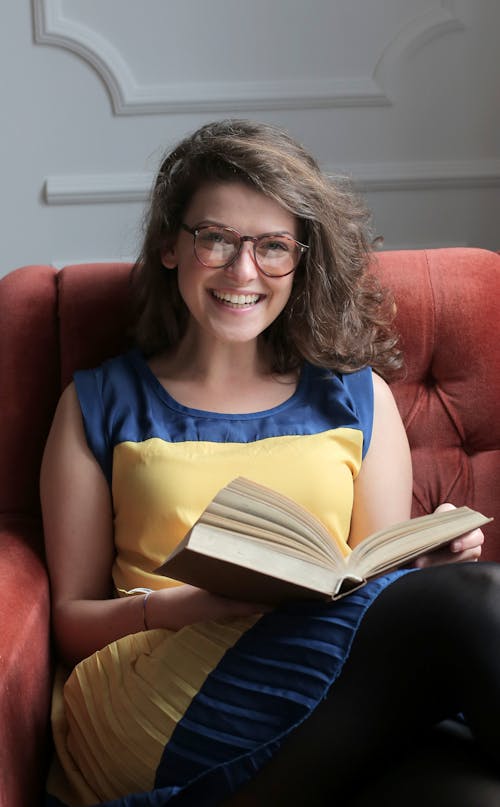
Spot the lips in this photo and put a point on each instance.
(234, 299)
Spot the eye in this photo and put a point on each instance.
(276, 246)
(212, 236)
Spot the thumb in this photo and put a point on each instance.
(442, 508)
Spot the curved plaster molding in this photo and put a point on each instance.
(128, 97)
(415, 35)
(53, 27)
(101, 188)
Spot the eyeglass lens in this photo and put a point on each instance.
(216, 247)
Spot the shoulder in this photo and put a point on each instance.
(66, 441)
(357, 385)
(346, 399)
(68, 414)
(122, 364)
(104, 386)
(360, 384)
(360, 388)
(387, 422)
(101, 394)
(384, 403)
(389, 434)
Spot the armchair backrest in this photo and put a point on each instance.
(56, 321)
(449, 398)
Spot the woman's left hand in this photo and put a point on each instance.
(466, 547)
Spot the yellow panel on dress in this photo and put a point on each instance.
(160, 489)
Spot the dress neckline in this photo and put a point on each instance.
(144, 370)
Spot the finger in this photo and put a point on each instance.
(436, 558)
(442, 508)
(467, 541)
(469, 554)
(443, 556)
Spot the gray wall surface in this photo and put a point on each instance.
(401, 95)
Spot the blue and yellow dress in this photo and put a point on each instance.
(187, 717)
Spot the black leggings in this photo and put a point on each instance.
(428, 649)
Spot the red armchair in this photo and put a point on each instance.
(53, 322)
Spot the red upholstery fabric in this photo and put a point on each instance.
(53, 322)
(25, 667)
(29, 388)
(449, 398)
(94, 315)
(29, 375)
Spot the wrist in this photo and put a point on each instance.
(145, 617)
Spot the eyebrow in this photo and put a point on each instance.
(214, 223)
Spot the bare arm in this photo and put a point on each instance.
(78, 526)
(383, 487)
(382, 490)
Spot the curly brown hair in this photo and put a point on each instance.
(337, 315)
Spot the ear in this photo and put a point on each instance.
(168, 256)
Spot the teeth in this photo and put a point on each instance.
(236, 299)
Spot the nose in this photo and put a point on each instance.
(244, 267)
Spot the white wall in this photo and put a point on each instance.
(403, 95)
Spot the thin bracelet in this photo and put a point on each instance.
(144, 601)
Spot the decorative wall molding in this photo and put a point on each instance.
(415, 35)
(70, 189)
(436, 175)
(60, 263)
(129, 97)
(67, 189)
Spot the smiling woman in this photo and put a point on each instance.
(258, 329)
(336, 315)
(219, 273)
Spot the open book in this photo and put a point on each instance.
(252, 543)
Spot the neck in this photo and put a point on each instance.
(219, 363)
(231, 378)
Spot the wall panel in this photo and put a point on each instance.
(401, 95)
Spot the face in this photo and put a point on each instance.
(238, 303)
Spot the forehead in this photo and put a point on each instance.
(237, 205)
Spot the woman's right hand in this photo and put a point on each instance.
(174, 608)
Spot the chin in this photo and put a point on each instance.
(238, 338)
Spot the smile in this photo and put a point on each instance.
(236, 299)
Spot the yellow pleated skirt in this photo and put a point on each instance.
(114, 713)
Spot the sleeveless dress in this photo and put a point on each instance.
(186, 718)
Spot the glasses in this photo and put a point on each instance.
(216, 247)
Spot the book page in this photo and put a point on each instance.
(276, 533)
(407, 540)
(257, 505)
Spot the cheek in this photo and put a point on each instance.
(191, 283)
(282, 295)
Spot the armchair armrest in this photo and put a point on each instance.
(25, 668)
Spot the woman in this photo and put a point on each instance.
(258, 329)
